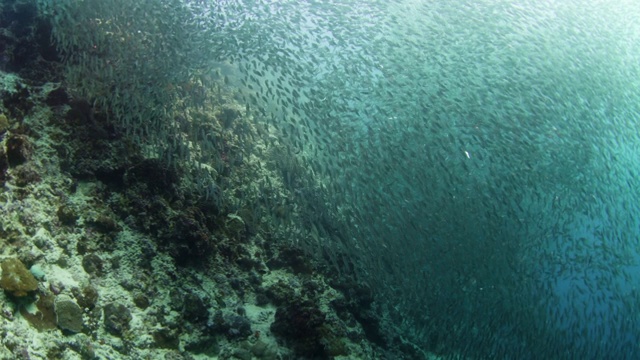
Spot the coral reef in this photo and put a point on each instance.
(137, 256)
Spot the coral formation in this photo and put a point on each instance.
(116, 318)
(68, 314)
(141, 254)
(16, 278)
(19, 149)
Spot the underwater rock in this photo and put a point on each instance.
(83, 346)
(195, 309)
(18, 102)
(57, 97)
(235, 226)
(228, 116)
(189, 239)
(292, 257)
(25, 174)
(261, 298)
(91, 151)
(26, 42)
(152, 177)
(206, 345)
(16, 279)
(310, 288)
(141, 301)
(262, 350)
(105, 224)
(238, 284)
(242, 354)
(299, 322)
(371, 324)
(259, 348)
(357, 304)
(67, 215)
(232, 325)
(19, 150)
(166, 339)
(280, 293)
(68, 315)
(92, 264)
(87, 297)
(116, 318)
(79, 113)
(238, 326)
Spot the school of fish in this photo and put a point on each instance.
(482, 156)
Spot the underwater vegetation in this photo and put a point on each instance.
(319, 180)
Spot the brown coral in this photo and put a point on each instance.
(16, 278)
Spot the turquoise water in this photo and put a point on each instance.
(482, 155)
(486, 156)
(490, 152)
